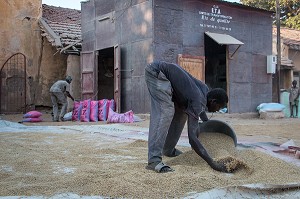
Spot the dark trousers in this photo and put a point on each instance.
(58, 97)
(166, 120)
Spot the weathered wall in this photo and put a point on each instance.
(179, 28)
(20, 33)
(53, 67)
(88, 25)
(136, 38)
(295, 56)
(129, 25)
(250, 85)
(56, 66)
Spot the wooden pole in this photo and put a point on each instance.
(278, 47)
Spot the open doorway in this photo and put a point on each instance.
(106, 73)
(215, 64)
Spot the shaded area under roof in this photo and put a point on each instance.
(286, 63)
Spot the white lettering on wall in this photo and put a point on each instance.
(215, 19)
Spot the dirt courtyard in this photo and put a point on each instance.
(100, 159)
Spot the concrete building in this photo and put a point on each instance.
(224, 44)
(290, 47)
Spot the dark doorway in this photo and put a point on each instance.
(215, 64)
(106, 73)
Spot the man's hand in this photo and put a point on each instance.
(220, 166)
(70, 96)
(203, 116)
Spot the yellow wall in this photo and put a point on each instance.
(20, 33)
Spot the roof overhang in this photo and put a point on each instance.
(286, 63)
(74, 44)
(224, 39)
(50, 32)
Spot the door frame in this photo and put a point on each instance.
(117, 78)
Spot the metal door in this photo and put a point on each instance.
(87, 75)
(117, 78)
(13, 85)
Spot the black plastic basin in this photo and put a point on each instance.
(217, 126)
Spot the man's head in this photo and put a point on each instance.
(294, 83)
(69, 79)
(216, 99)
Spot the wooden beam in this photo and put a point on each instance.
(71, 45)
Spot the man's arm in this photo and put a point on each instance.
(198, 147)
(298, 94)
(69, 95)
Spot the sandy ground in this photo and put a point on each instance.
(99, 159)
(247, 126)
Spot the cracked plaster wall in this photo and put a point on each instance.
(20, 33)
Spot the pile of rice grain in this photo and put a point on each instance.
(35, 164)
(222, 149)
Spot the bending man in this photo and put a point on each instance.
(59, 92)
(177, 97)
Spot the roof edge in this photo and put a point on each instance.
(245, 6)
(50, 32)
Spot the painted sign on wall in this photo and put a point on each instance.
(215, 19)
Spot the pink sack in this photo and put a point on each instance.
(76, 111)
(94, 111)
(114, 117)
(102, 110)
(111, 104)
(85, 112)
(32, 114)
(34, 119)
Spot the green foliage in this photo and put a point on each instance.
(290, 10)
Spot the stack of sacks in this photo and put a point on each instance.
(32, 116)
(92, 110)
(101, 110)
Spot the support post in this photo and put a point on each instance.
(278, 48)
